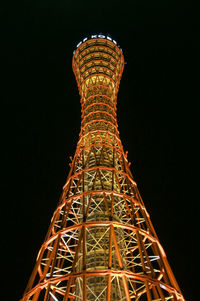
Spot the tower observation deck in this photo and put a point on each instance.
(101, 244)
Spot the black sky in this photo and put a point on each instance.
(157, 101)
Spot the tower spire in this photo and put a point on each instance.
(101, 244)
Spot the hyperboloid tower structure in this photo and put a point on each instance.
(101, 244)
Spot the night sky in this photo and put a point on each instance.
(157, 102)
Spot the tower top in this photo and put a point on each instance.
(97, 36)
(98, 63)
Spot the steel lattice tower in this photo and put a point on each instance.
(101, 244)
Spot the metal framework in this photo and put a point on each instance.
(101, 244)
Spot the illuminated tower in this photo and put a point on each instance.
(101, 244)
